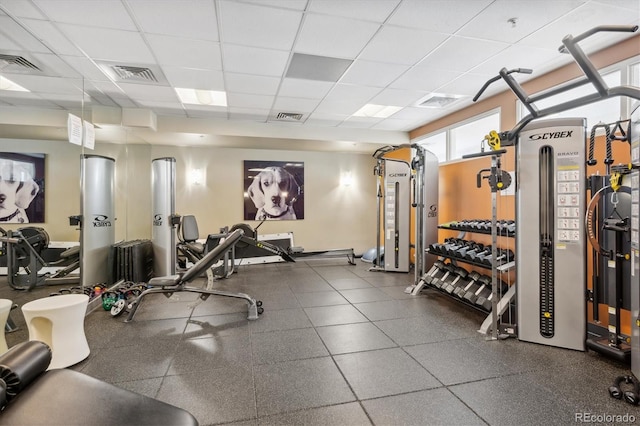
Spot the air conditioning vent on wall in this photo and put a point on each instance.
(18, 64)
(289, 116)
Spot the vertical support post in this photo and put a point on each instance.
(163, 235)
(97, 207)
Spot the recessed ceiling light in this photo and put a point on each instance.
(377, 111)
(202, 97)
(6, 84)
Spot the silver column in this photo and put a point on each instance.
(397, 215)
(97, 208)
(550, 237)
(635, 240)
(163, 235)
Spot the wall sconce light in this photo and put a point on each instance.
(196, 176)
(346, 179)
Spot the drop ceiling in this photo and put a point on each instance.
(313, 63)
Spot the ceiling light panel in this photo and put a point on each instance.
(312, 67)
(6, 84)
(253, 25)
(334, 36)
(377, 111)
(202, 97)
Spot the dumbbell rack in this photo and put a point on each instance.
(447, 251)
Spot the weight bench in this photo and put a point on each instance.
(30, 395)
(177, 283)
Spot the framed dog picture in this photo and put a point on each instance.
(21, 188)
(273, 190)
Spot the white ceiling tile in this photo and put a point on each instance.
(126, 103)
(334, 36)
(296, 88)
(424, 79)
(27, 99)
(295, 104)
(146, 92)
(460, 54)
(492, 23)
(22, 9)
(398, 97)
(324, 119)
(106, 14)
(467, 84)
(20, 37)
(580, 20)
(194, 78)
(242, 100)
(360, 122)
(401, 45)
(53, 38)
(288, 4)
(251, 84)
(107, 88)
(252, 60)
(192, 19)
(253, 25)
(111, 45)
(516, 57)
(42, 84)
(176, 51)
(352, 93)
(5, 42)
(341, 106)
(377, 74)
(395, 124)
(633, 5)
(411, 113)
(85, 67)
(444, 16)
(376, 11)
(203, 111)
(252, 114)
(56, 66)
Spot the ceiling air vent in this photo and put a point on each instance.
(288, 116)
(134, 73)
(128, 73)
(437, 100)
(15, 63)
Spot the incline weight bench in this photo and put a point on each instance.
(177, 283)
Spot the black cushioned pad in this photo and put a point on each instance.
(67, 397)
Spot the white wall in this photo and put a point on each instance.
(335, 216)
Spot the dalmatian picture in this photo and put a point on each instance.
(273, 190)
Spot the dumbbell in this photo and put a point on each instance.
(437, 267)
(449, 269)
(469, 292)
(454, 276)
(459, 281)
(485, 295)
(472, 255)
(440, 270)
(472, 245)
(452, 249)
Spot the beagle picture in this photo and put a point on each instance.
(273, 192)
(17, 190)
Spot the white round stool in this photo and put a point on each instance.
(58, 321)
(5, 308)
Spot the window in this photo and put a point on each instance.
(467, 138)
(437, 144)
(452, 142)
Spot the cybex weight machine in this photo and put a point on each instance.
(403, 185)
